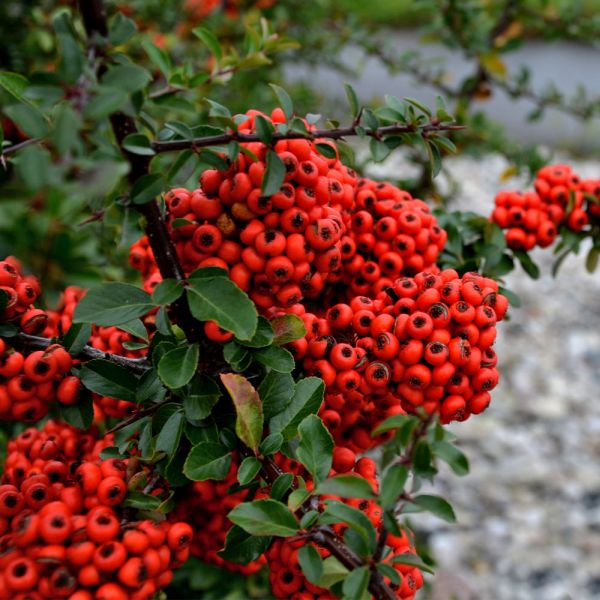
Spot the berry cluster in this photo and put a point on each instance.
(286, 576)
(200, 9)
(205, 506)
(30, 383)
(561, 198)
(20, 292)
(278, 248)
(64, 531)
(424, 342)
(389, 234)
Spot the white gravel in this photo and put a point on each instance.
(529, 512)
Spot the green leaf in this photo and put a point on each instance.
(72, 58)
(333, 572)
(591, 260)
(527, 263)
(297, 498)
(112, 304)
(355, 585)
(315, 450)
(327, 150)
(346, 486)
(437, 506)
(130, 78)
(276, 391)
(277, 359)
(250, 420)
(379, 150)
(238, 357)
(393, 422)
(389, 571)
(248, 470)
(80, 415)
(287, 328)
(210, 40)
(136, 328)
(138, 143)
(271, 444)
(34, 167)
(412, 560)
(106, 102)
(281, 485)
(207, 460)
(177, 367)
(242, 548)
(263, 335)
(167, 291)
(158, 57)
(336, 512)
(14, 84)
(147, 187)
(108, 379)
(29, 119)
(218, 299)
(274, 174)
(77, 337)
(311, 563)
(352, 100)
(149, 387)
(141, 501)
(121, 29)
(450, 454)
(435, 158)
(284, 101)
(422, 107)
(203, 394)
(264, 129)
(264, 517)
(168, 438)
(392, 485)
(307, 399)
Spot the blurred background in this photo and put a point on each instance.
(522, 76)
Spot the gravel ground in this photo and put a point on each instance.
(529, 511)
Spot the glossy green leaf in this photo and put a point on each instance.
(264, 517)
(307, 399)
(219, 299)
(112, 304)
(315, 450)
(108, 379)
(276, 391)
(177, 367)
(207, 460)
(241, 547)
(346, 486)
(311, 563)
(274, 174)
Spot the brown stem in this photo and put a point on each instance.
(12, 149)
(34, 342)
(332, 134)
(149, 410)
(163, 248)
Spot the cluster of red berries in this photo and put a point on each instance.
(278, 248)
(21, 291)
(30, 383)
(205, 506)
(64, 531)
(389, 234)
(286, 576)
(560, 198)
(200, 9)
(424, 342)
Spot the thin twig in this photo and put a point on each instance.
(34, 342)
(332, 134)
